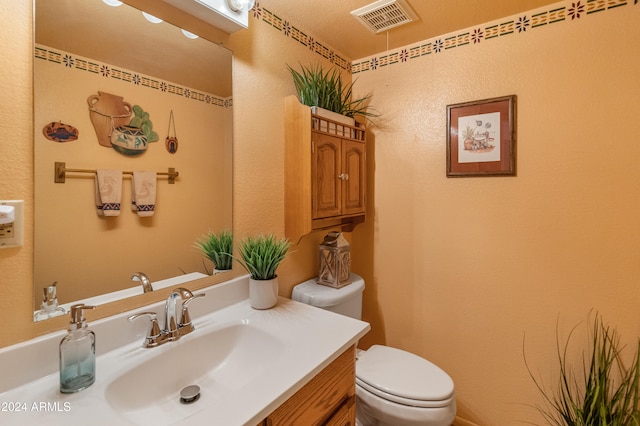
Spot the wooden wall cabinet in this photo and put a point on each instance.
(325, 172)
(329, 399)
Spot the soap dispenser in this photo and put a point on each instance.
(77, 353)
(49, 305)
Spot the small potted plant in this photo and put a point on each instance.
(260, 256)
(324, 89)
(217, 248)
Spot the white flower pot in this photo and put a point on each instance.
(263, 294)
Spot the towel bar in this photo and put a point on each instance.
(61, 172)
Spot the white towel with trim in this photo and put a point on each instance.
(108, 192)
(143, 193)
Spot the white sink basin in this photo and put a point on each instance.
(220, 361)
(247, 362)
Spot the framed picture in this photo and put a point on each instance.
(481, 138)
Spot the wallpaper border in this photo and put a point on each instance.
(104, 70)
(567, 11)
(562, 12)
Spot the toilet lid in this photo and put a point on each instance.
(403, 377)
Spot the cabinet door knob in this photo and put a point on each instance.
(343, 176)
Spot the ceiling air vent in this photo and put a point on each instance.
(385, 14)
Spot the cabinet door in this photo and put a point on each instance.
(325, 169)
(327, 399)
(353, 177)
(345, 416)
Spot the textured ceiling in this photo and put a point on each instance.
(331, 22)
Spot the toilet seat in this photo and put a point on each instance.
(404, 378)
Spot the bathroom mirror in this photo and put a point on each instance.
(86, 50)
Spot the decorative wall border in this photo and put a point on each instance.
(516, 24)
(288, 29)
(104, 70)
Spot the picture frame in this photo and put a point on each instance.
(481, 138)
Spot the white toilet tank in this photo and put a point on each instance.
(346, 300)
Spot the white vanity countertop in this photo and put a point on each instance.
(312, 339)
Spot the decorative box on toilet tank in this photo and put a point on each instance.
(335, 261)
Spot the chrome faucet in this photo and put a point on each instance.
(144, 280)
(173, 328)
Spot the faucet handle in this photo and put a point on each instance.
(154, 331)
(188, 300)
(184, 293)
(185, 318)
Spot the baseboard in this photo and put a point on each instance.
(458, 421)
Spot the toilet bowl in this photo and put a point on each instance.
(393, 387)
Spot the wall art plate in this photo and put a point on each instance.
(57, 131)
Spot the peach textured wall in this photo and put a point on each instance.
(460, 270)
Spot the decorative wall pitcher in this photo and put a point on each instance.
(107, 112)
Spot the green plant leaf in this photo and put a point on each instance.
(135, 122)
(261, 255)
(325, 89)
(607, 392)
(218, 248)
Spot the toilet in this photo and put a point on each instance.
(393, 387)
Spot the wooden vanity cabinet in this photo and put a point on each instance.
(325, 172)
(329, 399)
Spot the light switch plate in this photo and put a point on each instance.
(17, 239)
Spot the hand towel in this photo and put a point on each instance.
(108, 192)
(99, 204)
(143, 193)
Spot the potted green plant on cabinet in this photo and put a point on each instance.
(325, 90)
(218, 248)
(260, 256)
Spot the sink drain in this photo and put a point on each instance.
(190, 394)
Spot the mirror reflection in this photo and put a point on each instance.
(100, 71)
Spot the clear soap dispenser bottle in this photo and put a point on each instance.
(49, 305)
(77, 353)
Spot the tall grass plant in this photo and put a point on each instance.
(600, 392)
(325, 89)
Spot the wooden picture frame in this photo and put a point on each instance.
(481, 138)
